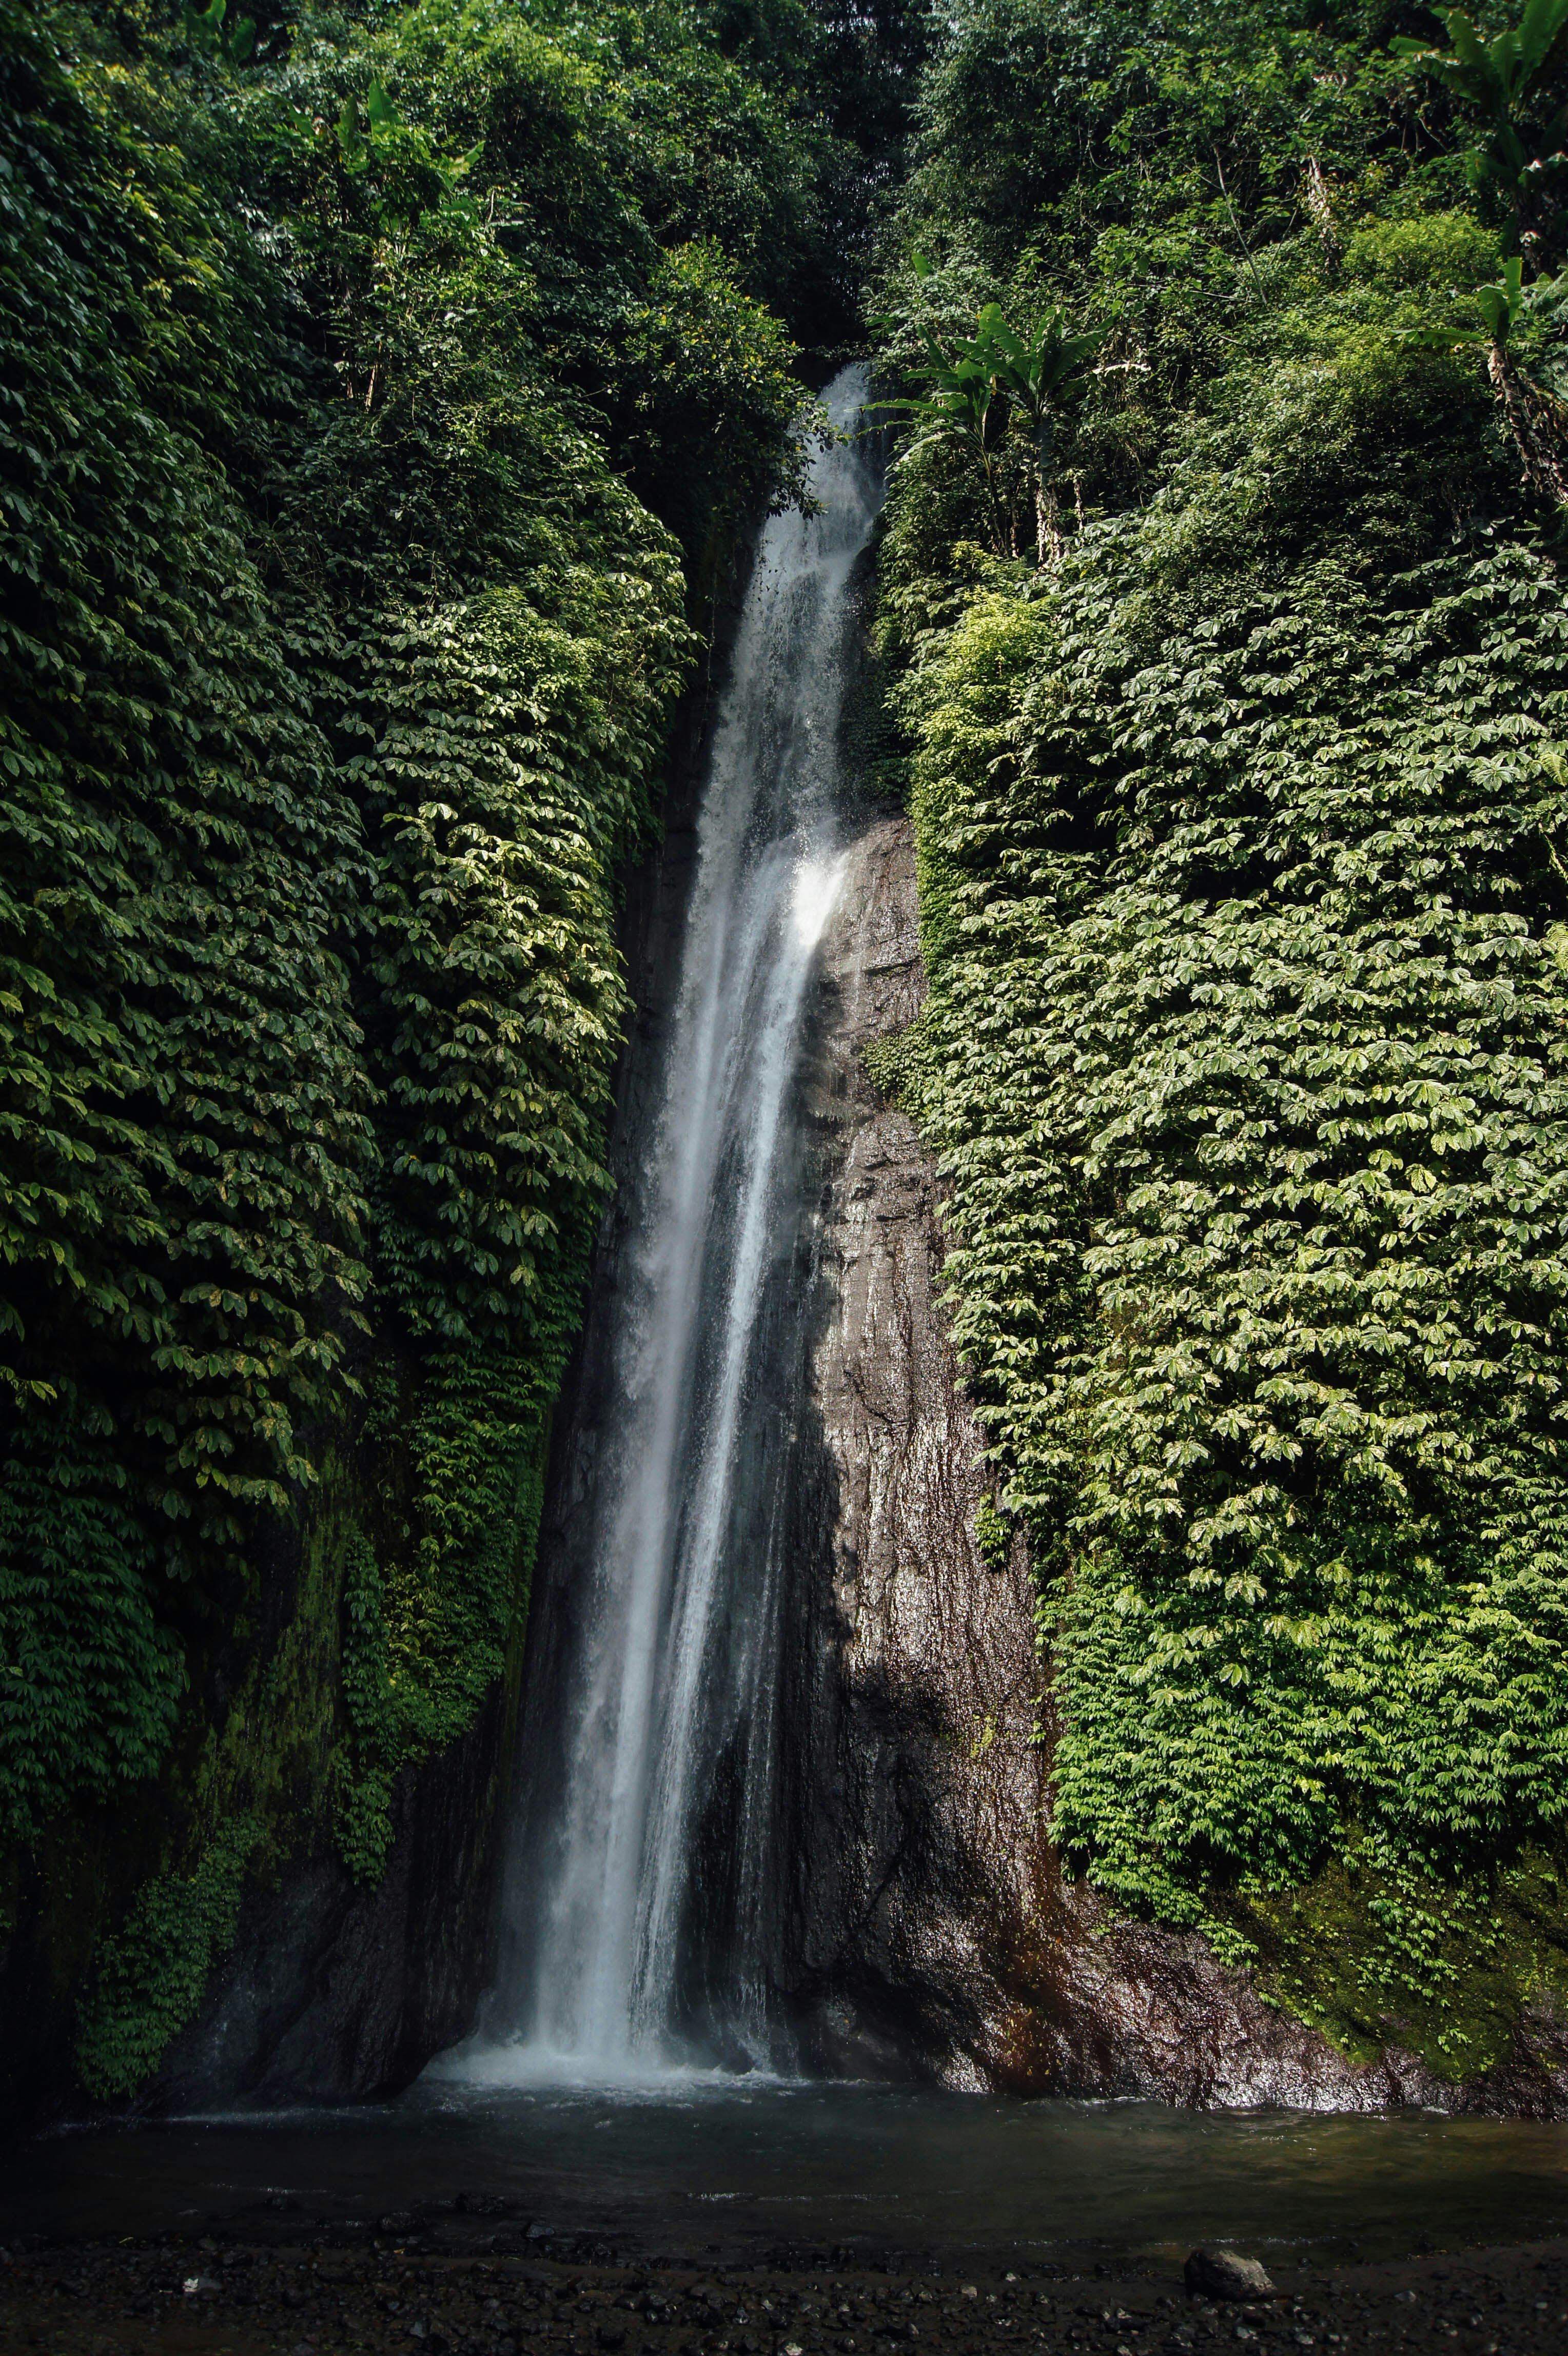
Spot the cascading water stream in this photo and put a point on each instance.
(667, 1700)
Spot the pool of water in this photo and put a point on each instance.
(720, 2169)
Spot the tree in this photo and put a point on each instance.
(1021, 381)
(958, 408)
(1495, 80)
(1534, 413)
(1036, 377)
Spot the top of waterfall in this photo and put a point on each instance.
(846, 396)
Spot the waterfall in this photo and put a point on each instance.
(658, 1766)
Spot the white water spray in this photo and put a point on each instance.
(667, 1712)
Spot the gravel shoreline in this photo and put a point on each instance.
(311, 2297)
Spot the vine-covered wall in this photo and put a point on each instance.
(381, 395)
(1235, 696)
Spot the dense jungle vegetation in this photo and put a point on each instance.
(1222, 604)
(384, 396)
(384, 392)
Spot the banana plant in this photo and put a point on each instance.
(1493, 80)
(958, 406)
(999, 378)
(1535, 415)
(383, 117)
(208, 29)
(1035, 376)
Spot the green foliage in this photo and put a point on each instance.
(715, 394)
(371, 417)
(893, 1063)
(1241, 843)
(1422, 253)
(1036, 372)
(1368, 1954)
(1494, 81)
(504, 776)
(426, 1638)
(992, 1534)
(364, 1824)
(207, 29)
(90, 1681)
(184, 1127)
(1024, 379)
(1257, 1141)
(151, 1975)
(1499, 307)
(1536, 417)
(184, 1136)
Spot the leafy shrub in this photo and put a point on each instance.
(1258, 1141)
(1425, 252)
(91, 1683)
(184, 1136)
(184, 1131)
(715, 396)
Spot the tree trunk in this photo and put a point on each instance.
(993, 504)
(1047, 523)
(1536, 424)
(1319, 204)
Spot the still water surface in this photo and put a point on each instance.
(710, 2169)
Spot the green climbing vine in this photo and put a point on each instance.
(1240, 828)
(379, 399)
(151, 1974)
(426, 1629)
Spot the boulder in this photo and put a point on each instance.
(1220, 2273)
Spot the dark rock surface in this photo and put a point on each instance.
(306, 2296)
(333, 1992)
(1225, 2275)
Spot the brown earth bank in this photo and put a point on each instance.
(310, 2297)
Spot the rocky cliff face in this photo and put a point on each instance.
(334, 1992)
(928, 1925)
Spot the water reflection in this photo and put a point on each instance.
(706, 2168)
